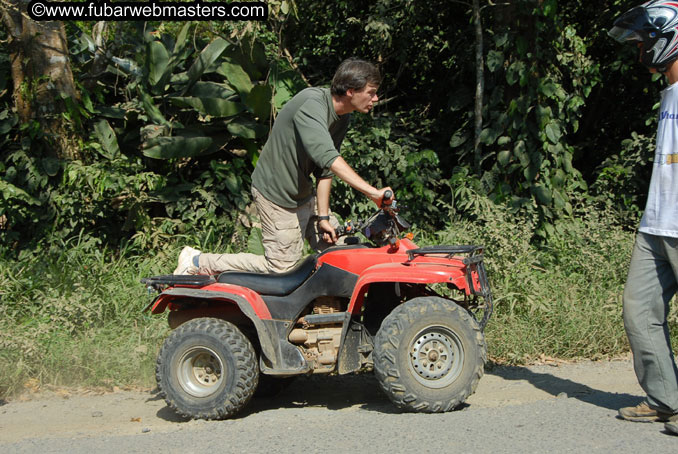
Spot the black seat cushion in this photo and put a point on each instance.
(272, 284)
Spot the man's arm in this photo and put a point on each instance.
(323, 196)
(344, 171)
(323, 201)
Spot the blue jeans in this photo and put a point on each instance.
(651, 284)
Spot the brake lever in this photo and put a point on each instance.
(347, 229)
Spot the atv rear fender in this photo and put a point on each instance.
(248, 302)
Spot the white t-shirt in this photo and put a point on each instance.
(661, 212)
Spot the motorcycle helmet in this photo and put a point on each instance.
(655, 25)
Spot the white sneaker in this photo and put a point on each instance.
(186, 265)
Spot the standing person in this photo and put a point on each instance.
(653, 272)
(305, 140)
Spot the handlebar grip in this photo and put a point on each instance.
(388, 197)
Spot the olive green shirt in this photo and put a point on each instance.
(305, 141)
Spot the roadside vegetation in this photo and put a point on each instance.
(72, 313)
(152, 144)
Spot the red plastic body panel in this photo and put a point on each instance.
(385, 264)
(392, 264)
(221, 292)
(415, 273)
(356, 261)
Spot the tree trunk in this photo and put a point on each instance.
(480, 88)
(41, 73)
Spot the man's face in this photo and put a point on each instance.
(363, 100)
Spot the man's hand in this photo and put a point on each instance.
(328, 232)
(378, 195)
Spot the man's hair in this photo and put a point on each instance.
(354, 74)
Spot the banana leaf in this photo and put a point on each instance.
(259, 101)
(176, 147)
(237, 77)
(207, 57)
(247, 129)
(107, 139)
(158, 60)
(215, 107)
(152, 110)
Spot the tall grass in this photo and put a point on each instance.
(72, 315)
(562, 298)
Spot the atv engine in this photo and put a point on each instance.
(320, 337)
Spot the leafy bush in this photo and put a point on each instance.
(171, 129)
(624, 178)
(562, 298)
(385, 155)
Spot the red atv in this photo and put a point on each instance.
(389, 306)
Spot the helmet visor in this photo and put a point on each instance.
(624, 35)
(628, 25)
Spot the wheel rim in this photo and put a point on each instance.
(201, 372)
(436, 357)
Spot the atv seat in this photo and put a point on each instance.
(272, 284)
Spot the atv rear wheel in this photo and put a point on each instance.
(429, 355)
(207, 369)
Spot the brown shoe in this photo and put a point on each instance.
(672, 424)
(643, 413)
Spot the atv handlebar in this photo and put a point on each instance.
(387, 199)
(381, 228)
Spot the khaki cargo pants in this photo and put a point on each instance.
(283, 232)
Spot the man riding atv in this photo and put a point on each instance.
(245, 323)
(305, 140)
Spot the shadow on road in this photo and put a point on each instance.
(557, 386)
(169, 415)
(362, 391)
(331, 392)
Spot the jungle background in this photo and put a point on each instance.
(519, 125)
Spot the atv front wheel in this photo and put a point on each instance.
(207, 369)
(429, 355)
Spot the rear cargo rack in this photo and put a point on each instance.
(197, 280)
(474, 262)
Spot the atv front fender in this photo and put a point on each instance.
(408, 272)
(468, 275)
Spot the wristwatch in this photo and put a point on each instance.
(323, 218)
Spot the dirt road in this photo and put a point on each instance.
(542, 408)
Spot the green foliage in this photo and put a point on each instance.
(71, 314)
(385, 155)
(187, 102)
(623, 178)
(169, 134)
(169, 129)
(537, 85)
(562, 299)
